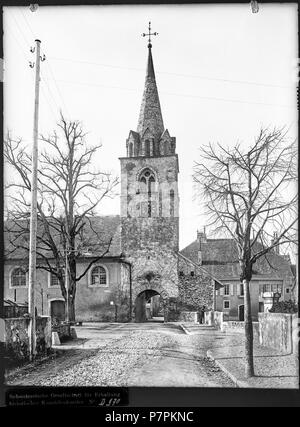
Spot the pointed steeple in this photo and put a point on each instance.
(150, 113)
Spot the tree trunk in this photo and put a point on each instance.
(71, 309)
(249, 363)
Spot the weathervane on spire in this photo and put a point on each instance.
(149, 34)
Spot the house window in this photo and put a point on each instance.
(54, 280)
(241, 289)
(227, 290)
(287, 290)
(226, 305)
(99, 276)
(18, 278)
(268, 288)
(277, 288)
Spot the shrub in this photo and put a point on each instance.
(284, 307)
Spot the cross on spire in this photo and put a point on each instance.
(149, 34)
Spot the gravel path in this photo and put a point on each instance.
(145, 356)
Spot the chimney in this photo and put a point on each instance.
(287, 258)
(201, 238)
(276, 249)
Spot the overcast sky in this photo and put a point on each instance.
(222, 73)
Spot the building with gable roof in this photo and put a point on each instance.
(272, 274)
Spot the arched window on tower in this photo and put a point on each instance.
(147, 147)
(130, 150)
(171, 202)
(147, 179)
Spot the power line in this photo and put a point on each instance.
(174, 74)
(20, 30)
(179, 95)
(51, 96)
(58, 89)
(26, 60)
(49, 67)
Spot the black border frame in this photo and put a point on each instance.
(143, 397)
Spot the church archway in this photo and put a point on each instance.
(149, 307)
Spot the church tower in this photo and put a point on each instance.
(150, 205)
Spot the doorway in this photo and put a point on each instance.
(57, 309)
(241, 313)
(149, 307)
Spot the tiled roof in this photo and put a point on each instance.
(94, 239)
(220, 258)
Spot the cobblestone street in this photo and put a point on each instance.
(145, 354)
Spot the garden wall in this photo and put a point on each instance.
(239, 327)
(189, 316)
(276, 331)
(17, 341)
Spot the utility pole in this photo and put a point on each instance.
(33, 213)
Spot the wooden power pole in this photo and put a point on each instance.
(33, 213)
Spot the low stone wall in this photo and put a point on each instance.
(17, 341)
(63, 330)
(239, 327)
(189, 316)
(213, 318)
(276, 331)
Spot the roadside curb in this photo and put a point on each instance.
(187, 332)
(237, 383)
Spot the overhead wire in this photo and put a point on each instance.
(48, 66)
(173, 74)
(178, 94)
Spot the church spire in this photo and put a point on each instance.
(150, 113)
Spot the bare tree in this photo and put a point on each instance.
(249, 193)
(69, 192)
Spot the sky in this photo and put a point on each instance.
(222, 73)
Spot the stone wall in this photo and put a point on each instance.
(189, 316)
(17, 341)
(276, 331)
(63, 330)
(213, 318)
(150, 245)
(196, 287)
(239, 327)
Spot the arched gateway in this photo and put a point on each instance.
(150, 303)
